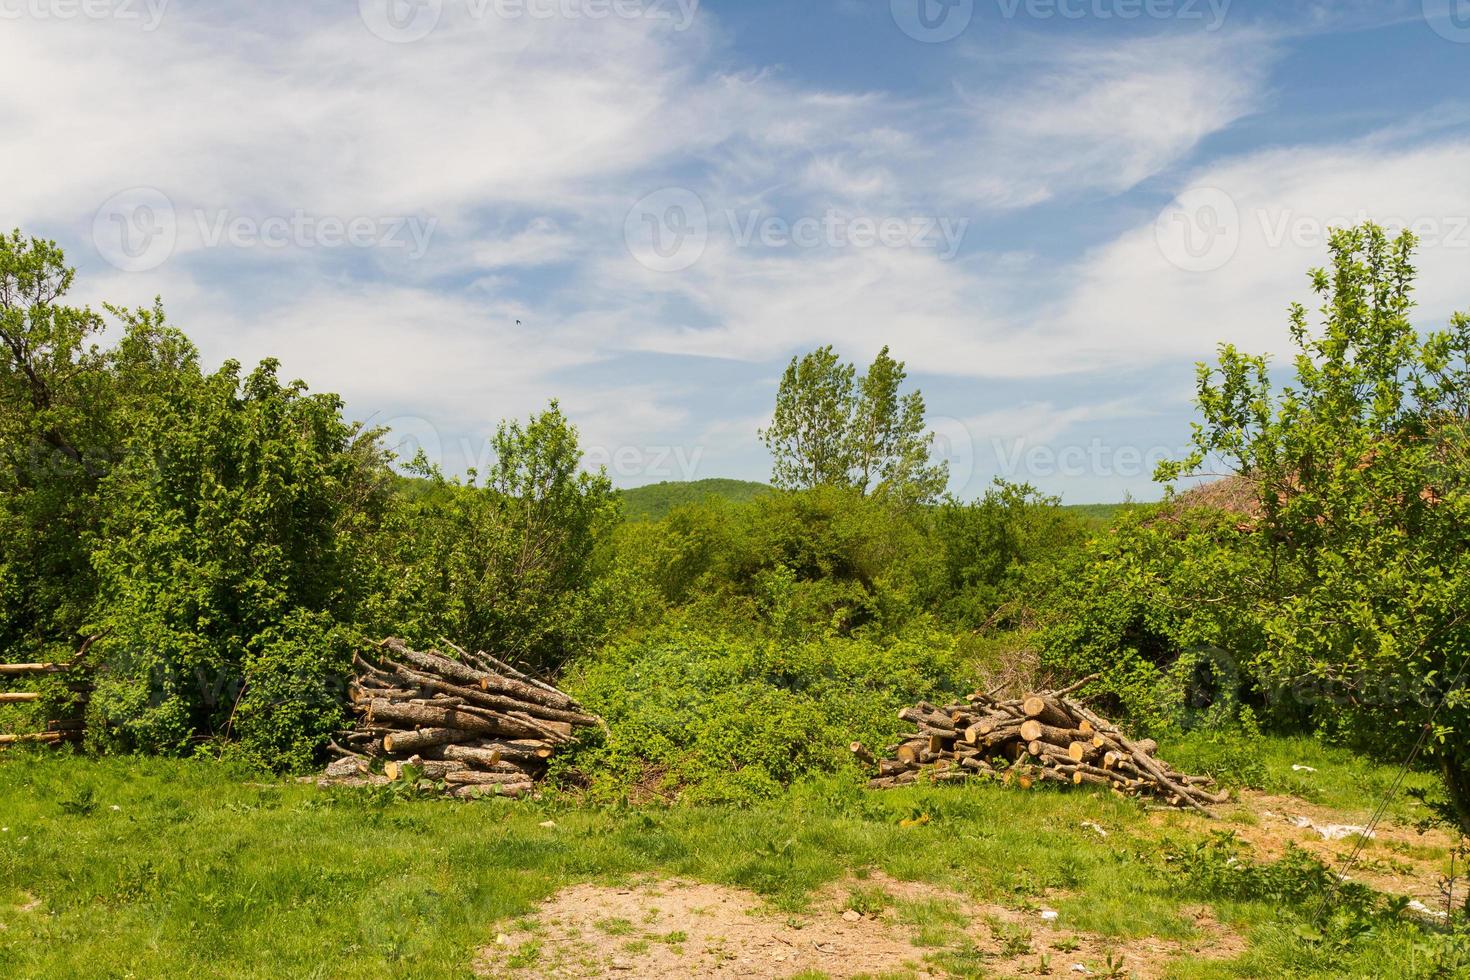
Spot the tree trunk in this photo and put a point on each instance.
(36, 737)
(508, 790)
(496, 702)
(465, 719)
(470, 777)
(410, 742)
(1046, 711)
(1031, 729)
(430, 768)
(488, 754)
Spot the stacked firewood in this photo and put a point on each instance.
(1043, 737)
(468, 721)
(68, 728)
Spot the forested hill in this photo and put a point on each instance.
(655, 501)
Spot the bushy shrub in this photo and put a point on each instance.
(223, 532)
(1004, 555)
(508, 565)
(1153, 612)
(293, 693)
(714, 716)
(805, 563)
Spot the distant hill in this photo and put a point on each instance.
(1097, 516)
(654, 501)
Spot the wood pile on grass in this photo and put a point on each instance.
(469, 722)
(1043, 737)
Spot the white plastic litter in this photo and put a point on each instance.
(1049, 915)
(1334, 831)
(1417, 906)
(1302, 769)
(1338, 831)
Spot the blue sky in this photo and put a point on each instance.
(451, 211)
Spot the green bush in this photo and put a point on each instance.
(718, 717)
(1151, 611)
(507, 565)
(223, 531)
(292, 699)
(1004, 555)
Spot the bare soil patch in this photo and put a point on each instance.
(675, 928)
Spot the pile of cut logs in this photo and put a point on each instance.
(468, 721)
(65, 729)
(1043, 737)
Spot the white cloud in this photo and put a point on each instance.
(1104, 117)
(1133, 303)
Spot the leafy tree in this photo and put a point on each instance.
(53, 446)
(831, 428)
(508, 566)
(1361, 466)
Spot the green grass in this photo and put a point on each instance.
(654, 502)
(1342, 779)
(154, 867)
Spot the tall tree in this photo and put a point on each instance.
(808, 436)
(1364, 482)
(53, 446)
(832, 428)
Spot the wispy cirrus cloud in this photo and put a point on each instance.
(520, 146)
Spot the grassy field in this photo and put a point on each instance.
(151, 867)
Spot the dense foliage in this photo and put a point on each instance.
(1338, 604)
(735, 717)
(232, 537)
(503, 566)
